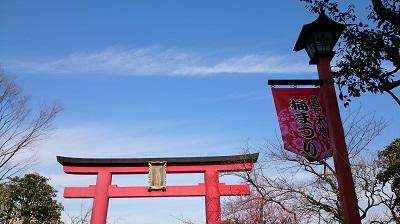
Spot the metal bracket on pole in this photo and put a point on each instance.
(295, 82)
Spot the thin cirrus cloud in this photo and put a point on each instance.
(161, 61)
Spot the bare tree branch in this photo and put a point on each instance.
(288, 186)
(20, 128)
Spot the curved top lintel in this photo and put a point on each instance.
(209, 160)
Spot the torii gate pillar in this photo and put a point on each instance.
(213, 203)
(101, 199)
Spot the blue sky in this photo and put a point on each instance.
(157, 78)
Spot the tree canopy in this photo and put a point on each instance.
(29, 200)
(389, 160)
(368, 53)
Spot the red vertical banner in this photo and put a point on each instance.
(302, 120)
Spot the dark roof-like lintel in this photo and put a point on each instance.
(209, 160)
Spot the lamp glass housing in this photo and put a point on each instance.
(319, 43)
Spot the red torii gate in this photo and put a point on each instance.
(157, 168)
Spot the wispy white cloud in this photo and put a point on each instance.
(247, 64)
(247, 96)
(160, 61)
(151, 60)
(95, 141)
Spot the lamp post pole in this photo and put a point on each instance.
(347, 194)
(318, 39)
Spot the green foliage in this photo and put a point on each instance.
(29, 200)
(5, 202)
(390, 161)
(368, 56)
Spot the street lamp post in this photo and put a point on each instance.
(318, 39)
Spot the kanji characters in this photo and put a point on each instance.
(315, 103)
(298, 104)
(303, 118)
(307, 132)
(310, 149)
(303, 122)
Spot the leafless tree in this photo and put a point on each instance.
(82, 218)
(20, 127)
(84, 215)
(287, 188)
(183, 220)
